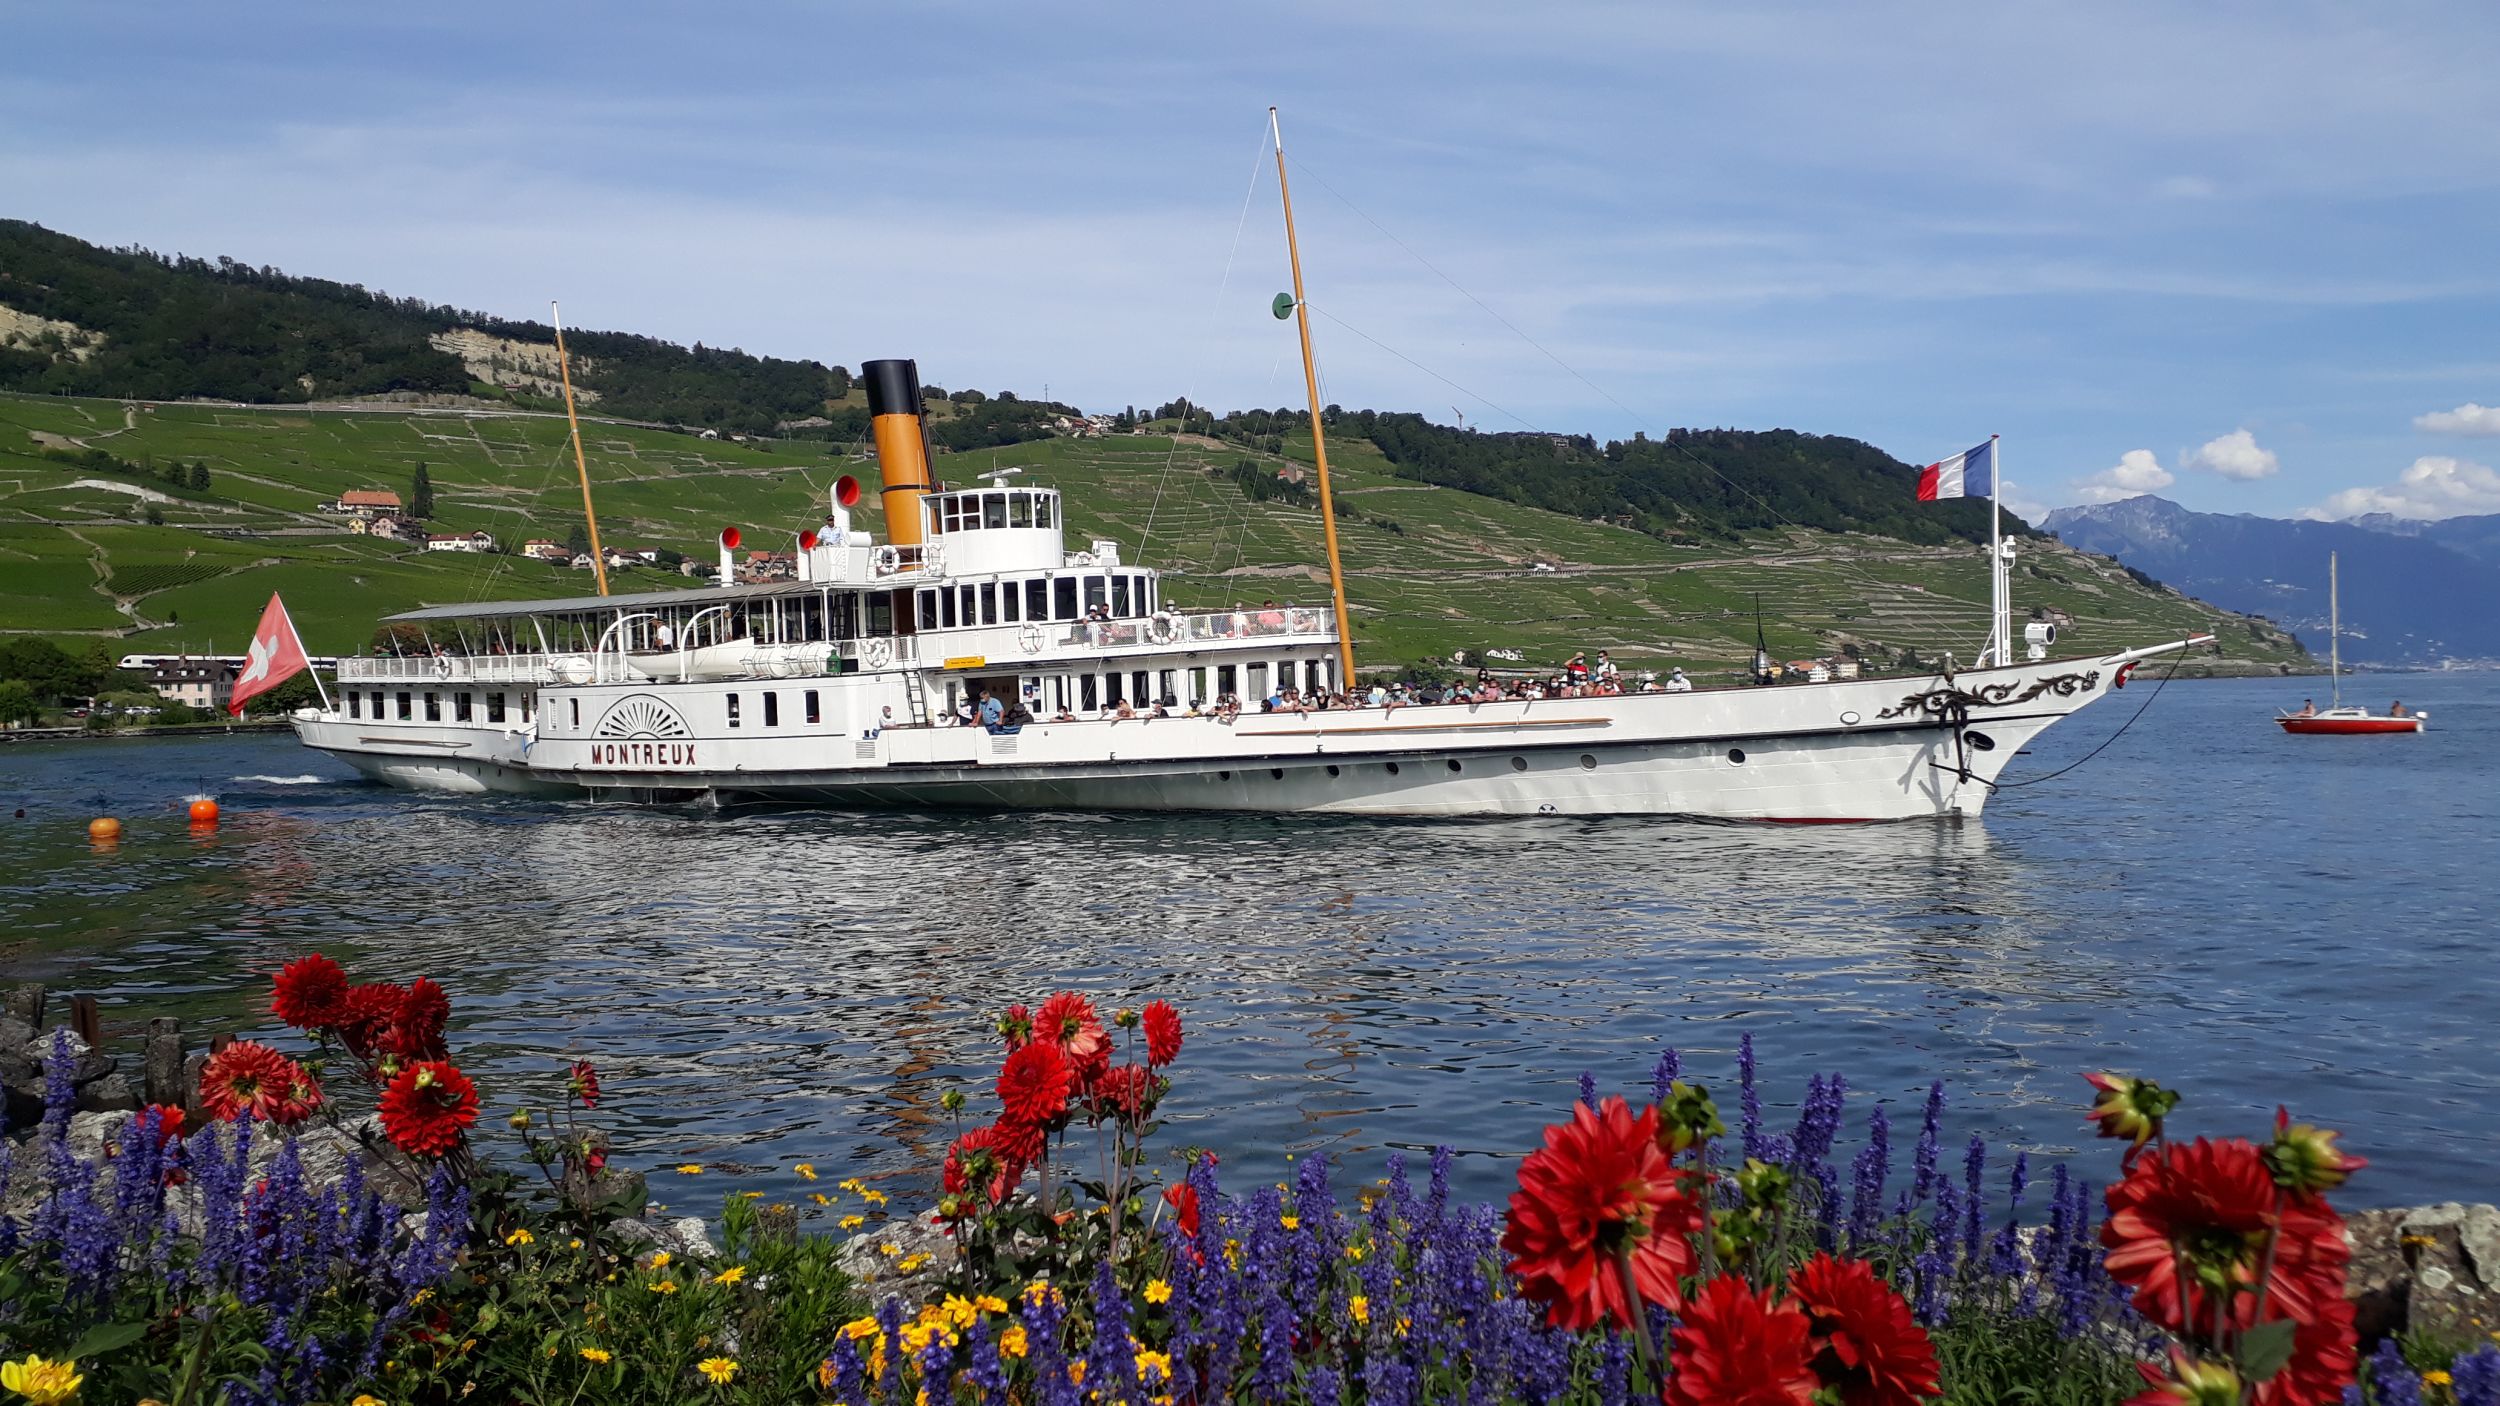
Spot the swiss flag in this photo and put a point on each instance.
(277, 655)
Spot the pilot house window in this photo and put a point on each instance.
(732, 701)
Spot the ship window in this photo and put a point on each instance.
(1198, 685)
(1037, 599)
(1063, 598)
(927, 606)
(460, 706)
(1094, 592)
(1019, 510)
(1119, 595)
(1227, 680)
(946, 603)
(1454, 764)
(732, 700)
(814, 714)
(989, 603)
(1059, 692)
(772, 709)
(1314, 676)
(1045, 510)
(1168, 688)
(881, 614)
(1111, 694)
(965, 594)
(1007, 602)
(433, 706)
(529, 706)
(1137, 689)
(1089, 692)
(577, 712)
(377, 705)
(355, 704)
(993, 510)
(1736, 755)
(1258, 683)
(494, 707)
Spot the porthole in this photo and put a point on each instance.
(1276, 773)
(1393, 768)
(1453, 763)
(1223, 776)
(1519, 763)
(1981, 741)
(1848, 720)
(1587, 762)
(1736, 755)
(1334, 771)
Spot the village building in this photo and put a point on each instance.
(203, 683)
(366, 502)
(460, 542)
(397, 529)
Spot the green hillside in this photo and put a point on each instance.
(1434, 568)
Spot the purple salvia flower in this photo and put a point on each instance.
(936, 1362)
(1110, 1363)
(1614, 1372)
(60, 1086)
(2392, 1379)
(2475, 1377)
(1661, 1079)
(1947, 1224)
(1750, 1095)
(2005, 1252)
(850, 1375)
(1323, 1388)
(1588, 1090)
(890, 1318)
(1974, 1169)
(1387, 1381)
(1923, 1156)
(1933, 1270)
(1868, 1174)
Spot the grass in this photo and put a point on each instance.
(1454, 575)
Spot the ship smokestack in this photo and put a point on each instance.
(902, 445)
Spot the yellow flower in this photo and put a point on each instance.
(852, 1222)
(2436, 1377)
(852, 1184)
(859, 1328)
(719, 1369)
(1076, 1371)
(1404, 1323)
(520, 1237)
(573, 1244)
(1353, 1253)
(874, 1198)
(1290, 1222)
(1155, 1362)
(422, 1296)
(730, 1275)
(908, 1263)
(889, 1249)
(662, 1286)
(820, 1198)
(659, 1259)
(824, 1375)
(806, 1171)
(1011, 1343)
(1232, 1253)
(1361, 1308)
(990, 1303)
(595, 1354)
(1158, 1292)
(42, 1382)
(752, 1195)
(690, 1169)
(958, 1310)
(366, 1398)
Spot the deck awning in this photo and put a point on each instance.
(697, 597)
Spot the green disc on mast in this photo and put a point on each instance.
(1282, 307)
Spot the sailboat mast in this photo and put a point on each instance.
(2334, 634)
(1319, 437)
(564, 368)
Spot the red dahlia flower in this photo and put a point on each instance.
(983, 1164)
(1599, 1189)
(1015, 1027)
(368, 1014)
(584, 1083)
(310, 993)
(2205, 1208)
(1163, 1033)
(427, 1107)
(417, 1031)
(250, 1080)
(1183, 1199)
(1867, 1346)
(1033, 1085)
(1068, 1021)
(1127, 1092)
(1734, 1347)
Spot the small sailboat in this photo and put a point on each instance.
(2339, 720)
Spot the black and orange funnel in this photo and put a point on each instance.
(902, 445)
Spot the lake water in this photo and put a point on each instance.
(2251, 917)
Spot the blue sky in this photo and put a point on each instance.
(2241, 254)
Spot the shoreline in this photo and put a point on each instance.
(80, 734)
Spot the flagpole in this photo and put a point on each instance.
(309, 666)
(1999, 586)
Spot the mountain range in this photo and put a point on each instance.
(2414, 593)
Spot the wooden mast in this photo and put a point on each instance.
(564, 368)
(2334, 635)
(1319, 438)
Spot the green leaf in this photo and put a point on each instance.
(106, 1337)
(2265, 1348)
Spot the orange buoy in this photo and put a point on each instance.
(203, 811)
(104, 827)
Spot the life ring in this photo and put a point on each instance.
(1163, 627)
(885, 560)
(878, 653)
(1029, 639)
(2123, 671)
(442, 666)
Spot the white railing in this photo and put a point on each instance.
(458, 668)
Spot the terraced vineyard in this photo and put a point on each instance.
(1433, 569)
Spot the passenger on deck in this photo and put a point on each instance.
(1122, 711)
(993, 713)
(1605, 667)
(1063, 715)
(664, 637)
(1677, 683)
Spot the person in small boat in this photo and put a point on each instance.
(2308, 708)
(2397, 709)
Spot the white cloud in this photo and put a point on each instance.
(2468, 418)
(2435, 486)
(2234, 455)
(2136, 473)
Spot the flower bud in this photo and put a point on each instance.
(520, 1120)
(2130, 1108)
(952, 1100)
(1764, 1185)
(1687, 1117)
(1125, 1018)
(2305, 1158)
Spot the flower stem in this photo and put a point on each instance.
(1638, 1313)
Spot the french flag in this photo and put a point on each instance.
(1969, 474)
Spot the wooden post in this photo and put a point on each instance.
(87, 1021)
(161, 1064)
(190, 1099)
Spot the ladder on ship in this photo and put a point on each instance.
(916, 700)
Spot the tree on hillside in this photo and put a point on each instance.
(421, 494)
(17, 703)
(577, 542)
(199, 475)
